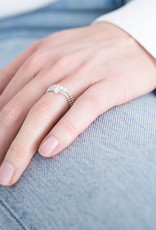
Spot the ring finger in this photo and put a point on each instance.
(43, 115)
(14, 113)
(42, 60)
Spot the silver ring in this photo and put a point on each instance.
(60, 89)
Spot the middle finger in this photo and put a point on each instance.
(14, 113)
(44, 114)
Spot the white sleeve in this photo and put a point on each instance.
(137, 18)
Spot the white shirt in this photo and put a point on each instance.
(138, 18)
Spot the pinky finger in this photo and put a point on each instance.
(7, 72)
(92, 103)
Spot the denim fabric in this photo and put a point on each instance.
(106, 178)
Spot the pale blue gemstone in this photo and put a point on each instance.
(56, 90)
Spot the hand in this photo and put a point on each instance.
(101, 65)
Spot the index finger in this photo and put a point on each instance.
(7, 72)
(43, 115)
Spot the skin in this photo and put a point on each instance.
(101, 65)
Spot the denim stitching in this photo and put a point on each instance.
(15, 218)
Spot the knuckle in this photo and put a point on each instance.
(92, 103)
(35, 60)
(86, 72)
(86, 66)
(10, 114)
(70, 129)
(64, 60)
(40, 110)
(36, 43)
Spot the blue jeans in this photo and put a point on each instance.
(106, 178)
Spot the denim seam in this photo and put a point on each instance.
(11, 213)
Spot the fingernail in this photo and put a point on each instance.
(48, 146)
(6, 173)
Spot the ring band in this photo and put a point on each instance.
(60, 89)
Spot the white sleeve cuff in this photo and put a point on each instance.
(138, 18)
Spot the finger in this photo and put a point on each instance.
(42, 61)
(14, 113)
(7, 72)
(39, 121)
(96, 100)
(26, 73)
